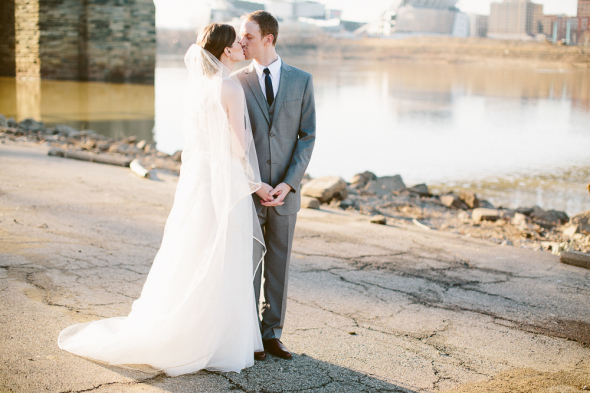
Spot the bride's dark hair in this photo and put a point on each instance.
(216, 37)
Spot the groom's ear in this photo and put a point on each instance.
(269, 39)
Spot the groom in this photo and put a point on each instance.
(282, 114)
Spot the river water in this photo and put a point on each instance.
(517, 135)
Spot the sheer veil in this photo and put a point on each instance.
(196, 309)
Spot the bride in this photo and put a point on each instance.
(196, 310)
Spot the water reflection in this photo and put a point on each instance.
(110, 109)
(519, 135)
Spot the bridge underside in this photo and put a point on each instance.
(97, 40)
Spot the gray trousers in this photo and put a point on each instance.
(271, 278)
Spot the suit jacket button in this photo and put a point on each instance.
(272, 134)
(268, 162)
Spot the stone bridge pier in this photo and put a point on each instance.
(88, 40)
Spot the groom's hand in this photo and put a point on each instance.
(279, 193)
(264, 193)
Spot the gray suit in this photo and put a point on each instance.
(284, 136)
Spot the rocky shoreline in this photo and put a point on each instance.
(387, 200)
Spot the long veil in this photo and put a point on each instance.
(196, 308)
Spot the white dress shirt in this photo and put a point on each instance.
(275, 75)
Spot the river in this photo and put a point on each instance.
(518, 136)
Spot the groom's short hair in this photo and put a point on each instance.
(268, 23)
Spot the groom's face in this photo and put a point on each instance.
(252, 41)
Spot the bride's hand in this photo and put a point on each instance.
(264, 192)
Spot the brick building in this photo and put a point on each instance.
(98, 40)
(583, 8)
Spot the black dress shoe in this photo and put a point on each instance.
(260, 356)
(276, 348)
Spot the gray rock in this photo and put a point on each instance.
(325, 188)
(360, 180)
(553, 217)
(576, 258)
(385, 185)
(103, 146)
(485, 203)
(310, 203)
(378, 219)
(525, 210)
(506, 243)
(470, 199)
(31, 125)
(483, 214)
(347, 203)
(582, 220)
(66, 130)
(506, 214)
(453, 201)
(12, 123)
(3, 121)
(420, 189)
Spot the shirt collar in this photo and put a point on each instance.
(274, 68)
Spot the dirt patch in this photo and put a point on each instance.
(526, 380)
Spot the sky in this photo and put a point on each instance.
(185, 14)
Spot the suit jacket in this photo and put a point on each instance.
(283, 145)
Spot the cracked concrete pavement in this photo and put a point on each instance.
(371, 308)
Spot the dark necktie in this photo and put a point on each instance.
(270, 97)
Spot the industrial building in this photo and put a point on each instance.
(430, 16)
(515, 19)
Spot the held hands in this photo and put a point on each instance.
(273, 196)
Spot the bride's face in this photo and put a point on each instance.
(237, 52)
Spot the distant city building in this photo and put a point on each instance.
(515, 19)
(569, 30)
(293, 10)
(427, 17)
(583, 8)
(478, 25)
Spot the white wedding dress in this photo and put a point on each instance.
(196, 309)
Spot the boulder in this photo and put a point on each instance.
(420, 189)
(177, 156)
(347, 203)
(12, 123)
(487, 204)
(576, 258)
(520, 221)
(360, 180)
(525, 210)
(453, 201)
(553, 217)
(325, 188)
(378, 219)
(31, 125)
(103, 146)
(310, 203)
(470, 199)
(66, 130)
(483, 214)
(3, 121)
(385, 185)
(582, 220)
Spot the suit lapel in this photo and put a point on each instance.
(284, 81)
(252, 79)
